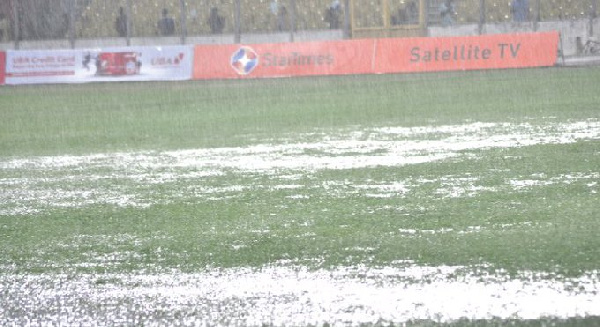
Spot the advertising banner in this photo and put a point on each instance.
(466, 53)
(110, 64)
(376, 56)
(285, 59)
(2, 66)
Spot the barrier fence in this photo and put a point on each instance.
(230, 61)
(22, 20)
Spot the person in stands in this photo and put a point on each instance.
(166, 25)
(216, 22)
(332, 15)
(121, 23)
(447, 12)
(519, 10)
(3, 28)
(281, 18)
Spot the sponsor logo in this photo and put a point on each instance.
(167, 61)
(297, 59)
(465, 52)
(49, 61)
(244, 60)
(118, 63)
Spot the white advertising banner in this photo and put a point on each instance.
(99, 65)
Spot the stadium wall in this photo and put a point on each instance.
(366, 56)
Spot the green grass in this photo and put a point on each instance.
(92, 118)
(550, 228)
(59, 119)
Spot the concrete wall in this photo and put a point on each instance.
(570, 31)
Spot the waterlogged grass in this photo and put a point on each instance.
(58, 119)
(465, 212)
(526, 206)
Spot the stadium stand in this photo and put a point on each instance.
(96, 18)
(99, 16)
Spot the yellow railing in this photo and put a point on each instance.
(388, 18)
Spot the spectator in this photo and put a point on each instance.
(274, 9)
(3, 28)
(412, 12)
(166, 25)
(121, 23)
(407, 15)
(216, 21)
(281, 18)
(519, 10)
(332, 15)
(399, 17)
(273, 6)
(65, 23)
(447, 12)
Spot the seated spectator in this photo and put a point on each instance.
(519, 10)
(166, 25)
(216, 21)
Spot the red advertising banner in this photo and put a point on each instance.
(2, 67)
(466, 53)
(376, 56)
(285, 59)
